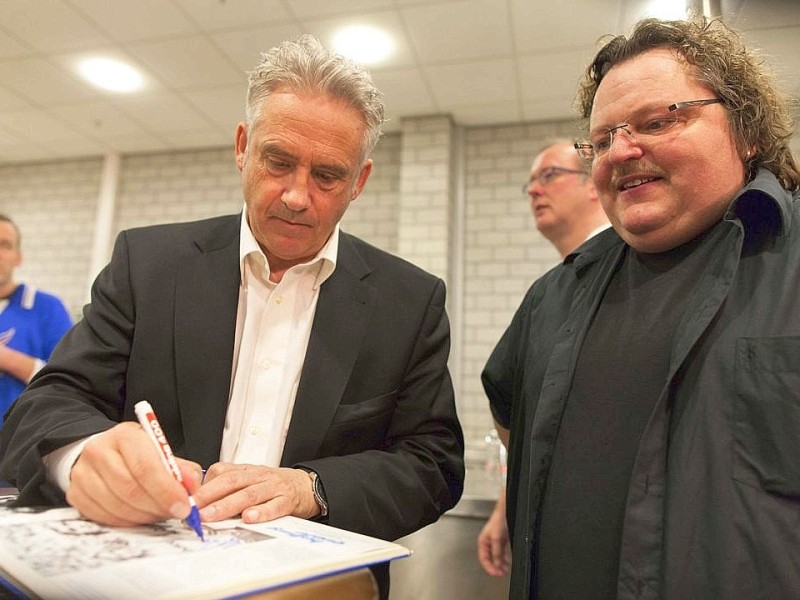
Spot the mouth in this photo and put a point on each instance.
(629, 183)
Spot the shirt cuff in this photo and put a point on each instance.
(58, 463)
(37, 366)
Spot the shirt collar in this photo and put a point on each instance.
(325, 259)
(762, 205)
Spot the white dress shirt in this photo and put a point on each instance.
(273, 325)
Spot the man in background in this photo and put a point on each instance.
(567, 212)
(303, 368)
(31, 321)
(651, 381)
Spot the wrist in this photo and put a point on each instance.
(318, 491)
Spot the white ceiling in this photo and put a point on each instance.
(483, 61)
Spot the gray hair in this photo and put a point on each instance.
(304, 65)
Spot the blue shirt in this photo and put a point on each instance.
(33, 322)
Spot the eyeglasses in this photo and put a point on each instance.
(548, 176)
(647, 128)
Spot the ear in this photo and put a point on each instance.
(241, 145)
(361, 181)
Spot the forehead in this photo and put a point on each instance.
(320, 112)
(8, 232)
(559, 155)
(653, 79)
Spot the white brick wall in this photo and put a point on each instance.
(54, 206)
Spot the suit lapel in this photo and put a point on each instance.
(206, 300)
(340, 322)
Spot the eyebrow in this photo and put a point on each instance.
(638, 113)
(270, 149)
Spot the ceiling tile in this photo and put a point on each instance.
(12, 47)
(196, 138)
(98, 119)
(163, 113)
(485, 82)
(244, 46)
(48, 25)
(138, 20)
(41, 81)
(313, 9)
(214, 15)
(187, 62)
(549, 109)
(534, 29)
(223, 106)
(36, 124)
(10, 100)
(404, 91)
(557, 74)
(456, 31)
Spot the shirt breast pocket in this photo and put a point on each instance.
(766, 414)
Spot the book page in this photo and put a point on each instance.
(57, 554)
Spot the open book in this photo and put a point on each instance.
(57, 554)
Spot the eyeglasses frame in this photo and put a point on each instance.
(586, 150)
(556, 171)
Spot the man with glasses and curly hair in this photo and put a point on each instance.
(651, 383)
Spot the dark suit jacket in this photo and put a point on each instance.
(374, 414)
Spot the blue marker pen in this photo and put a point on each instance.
(148, 421)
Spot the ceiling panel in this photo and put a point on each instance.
(138, 20)
(481, 61)
(459, 31)
(215, 15)
(48, 25)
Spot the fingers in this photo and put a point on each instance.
(256, 493)
(191, 472)
(119, 480)
(494, 552)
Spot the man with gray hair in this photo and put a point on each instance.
(303, 369)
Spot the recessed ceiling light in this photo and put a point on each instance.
(363, 44)
(111, 74)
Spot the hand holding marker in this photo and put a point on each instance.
(148, 421)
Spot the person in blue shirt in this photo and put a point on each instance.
(31, 321)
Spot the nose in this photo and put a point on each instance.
(535, 188)
(623, 146)
(296, 196)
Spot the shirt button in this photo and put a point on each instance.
(255, 430)
(266, 364)
(279, 300)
